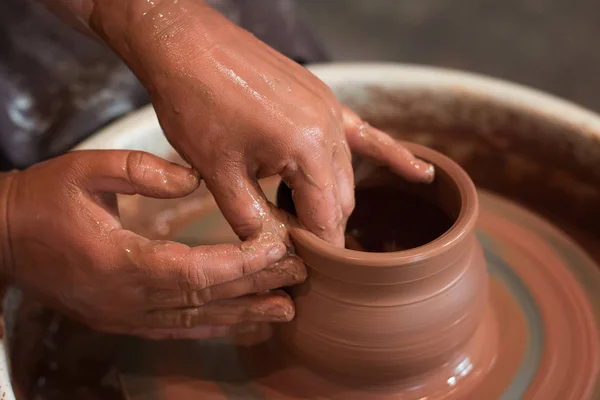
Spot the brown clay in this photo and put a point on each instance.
(571, 350)
(380, 318)
(556, 273)
(532, 250)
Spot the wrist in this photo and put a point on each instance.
(156, 37)
(6, 256)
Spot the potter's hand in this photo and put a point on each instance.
(238, 111)
(62, 241)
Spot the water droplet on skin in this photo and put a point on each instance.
(362, 129)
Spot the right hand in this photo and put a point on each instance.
(62, 241)
(239, 111)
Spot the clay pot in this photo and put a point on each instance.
(378, 317)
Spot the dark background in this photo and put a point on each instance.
(547, 44)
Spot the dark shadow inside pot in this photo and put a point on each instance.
(392, 214)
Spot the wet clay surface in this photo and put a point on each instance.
(172, 370)
(47, 367)
(388, 219)
(544, 328)
(374, 317)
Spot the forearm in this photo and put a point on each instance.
(149, 35)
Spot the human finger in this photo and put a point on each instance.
(243, 204)
(344, 175)
(315, 195)
(370, 142)
(287, 272)
(172, 265)
(255, 308)
(132, 172)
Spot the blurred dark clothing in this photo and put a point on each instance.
(58, 86)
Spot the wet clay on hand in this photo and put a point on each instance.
(239, 111)
(63, 243)
(406, 302)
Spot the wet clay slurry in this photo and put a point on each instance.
(543, 297)
(214, 370)
(531, 321)
(564, 283)
(222, 376)
(364, 334)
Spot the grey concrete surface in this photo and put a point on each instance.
(547, 44)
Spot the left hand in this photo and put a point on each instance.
(61, 241)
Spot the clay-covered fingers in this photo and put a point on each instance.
(344, 176)
(244, 205)
(131, 172)
(171, 265)
(370, 142)
(287, 272)
(316, 198)
(268, 307)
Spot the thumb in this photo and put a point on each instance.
(132, 172)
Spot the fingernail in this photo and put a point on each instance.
(276, 252)
(429, 174)
(186, 178)
(193, 178)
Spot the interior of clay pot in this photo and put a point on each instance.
(434, 278)
(392, 214)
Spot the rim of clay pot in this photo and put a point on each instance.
(462, 226)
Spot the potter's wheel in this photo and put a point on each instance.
(545, 310)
